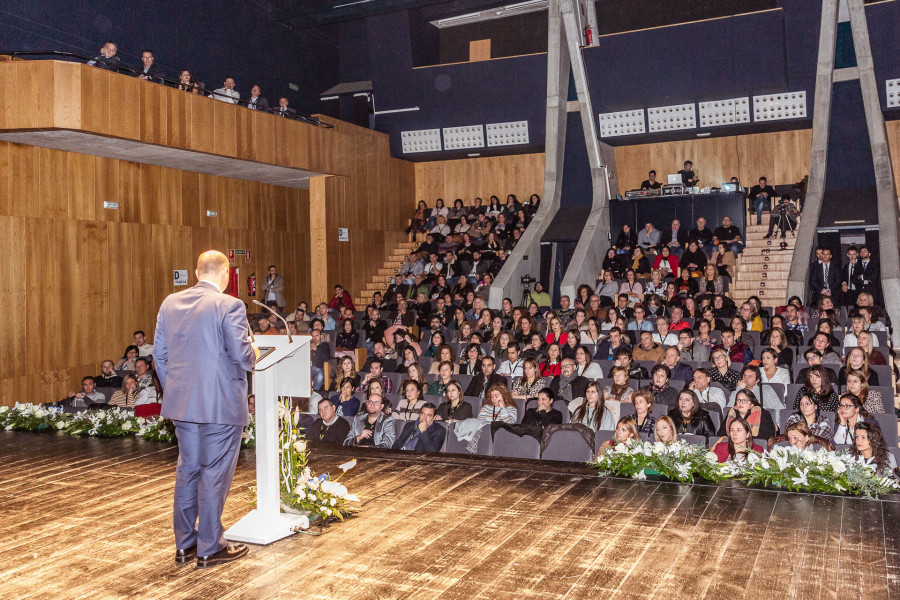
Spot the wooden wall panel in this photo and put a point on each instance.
(521, 174)
(79, 280)
(781, 156)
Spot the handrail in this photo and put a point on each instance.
(120, 68)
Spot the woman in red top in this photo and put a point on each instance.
(551, 366)
(738, 443)
(557, 335)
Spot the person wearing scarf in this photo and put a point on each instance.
(747, 407)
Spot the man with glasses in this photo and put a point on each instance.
(568, 385)
(689, 350)
(372, 428)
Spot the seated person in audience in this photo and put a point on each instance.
(675, 239)
(319, 354)
(793, 320)
(592, 411)
(568, 385)
(374, 329)
(186, 83)
(869, 444)
(737, 351)
(626, 431)
(107, 376)
(454, 408)
(821, 343)
(107, 59)
(725, 263)
(689, 417)
(347, 340)
(498, 406)
(502, 229)
(140, 340)
(445, 353)
(329, 428)
(513, 365)
(584, 367)
(341, 298)
(550, 366)
(688, 348)
(648, 238)
(721, 370)
(372, 427)
(611, 345)
(424, 434)
(865, 339)
(809, 414)
(814, 357)
(624, 359)
(346, 367)
(412, 400)
(86, 397)
(445, 377)
(770, 371)
(677, 368)
(664, 335)
(498, 262)
(412, 267)
(648, 350)
(738, 443)
(857, 325)
(257, 102)
(640, 323)
(619, 390)
(126, 363)
(284, 110)
(345, 403)
(857, 361)
(817, 382)
(376, 373)
(540, 296)
(396, 287)
(665, 430)
(227, 93)
(666, 262)
(761, 196)
(127, 396)
(480, 383)
(660, 391)
(798, 435)
(747, 407)
(850, 411)
(328, 323)
(538, 416)
(530, 383)
(643, 405)
(693, 260)
(701, 234)
(651, 183)
(871, 399)
(752, 321)
(729, 235)
(688, 177)
(751, 380)
(631, 288)
(699, 384)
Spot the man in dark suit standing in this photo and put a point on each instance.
(824, 279)
(850, 276)
(424, 434)
(868, 276)
(202, 354)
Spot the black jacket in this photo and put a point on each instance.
(477, 385)
(430, 440)
(681, 237)
(579, 385)
(817, 280)
(699, 424)
(334, 434)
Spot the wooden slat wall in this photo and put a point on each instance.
(893, 136)
(521, 174)
(78, 279)
(781, 156)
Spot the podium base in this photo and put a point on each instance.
(258, 528)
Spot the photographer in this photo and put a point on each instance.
(784, 215)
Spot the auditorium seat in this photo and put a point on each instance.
(510, 445)
(426, 361)
(464, 380)
(107, 392)
(659, 410)
(476, 403)
(396, 380)
(454, 446)
(626, 409)
(695, 439)
(888, 424)
(602, 436)
(520, 409)
(567, 446)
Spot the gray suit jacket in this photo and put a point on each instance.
(202, 356)
(277, 287)
(384, 435)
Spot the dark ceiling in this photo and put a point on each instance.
(304, 14)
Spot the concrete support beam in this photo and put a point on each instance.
(818, 160)
(889, 254)
(594, 240)
(525, 258)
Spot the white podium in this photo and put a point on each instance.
(281, 370)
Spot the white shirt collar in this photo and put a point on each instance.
(212, 283)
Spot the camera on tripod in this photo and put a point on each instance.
(527, 280)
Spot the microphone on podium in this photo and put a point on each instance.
(286, 328)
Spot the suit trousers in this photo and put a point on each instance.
(207, 456)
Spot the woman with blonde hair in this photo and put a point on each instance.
(626, 430)
(871, 399)
(857, 360)
(712, 282)
(665, 430)
(128, 395)
(798, 435)
(864, 341)
(498, 405)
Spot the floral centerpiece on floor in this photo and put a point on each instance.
(112, 422)
(155, 429)
(807, 471)
(248, 436)
(301, 491)
(31, 417)
(678, 461)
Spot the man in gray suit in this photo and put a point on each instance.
(202, 355)
(274, 289)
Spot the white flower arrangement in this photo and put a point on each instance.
(678, 461)
(31, 417)
(155, 429)
(113, 422)
(807, 471)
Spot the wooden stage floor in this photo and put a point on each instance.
(89, 518)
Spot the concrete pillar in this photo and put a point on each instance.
(889, 256)
(525, 258)
(818, 160)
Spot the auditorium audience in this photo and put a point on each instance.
(424, 434)
(738, 443)
(626, 430)
(226, 93)
(127, 396)
(329, 428)
(689, 417)
(372, 427)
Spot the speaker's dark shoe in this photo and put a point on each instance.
(227, 554)
(186, 555)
